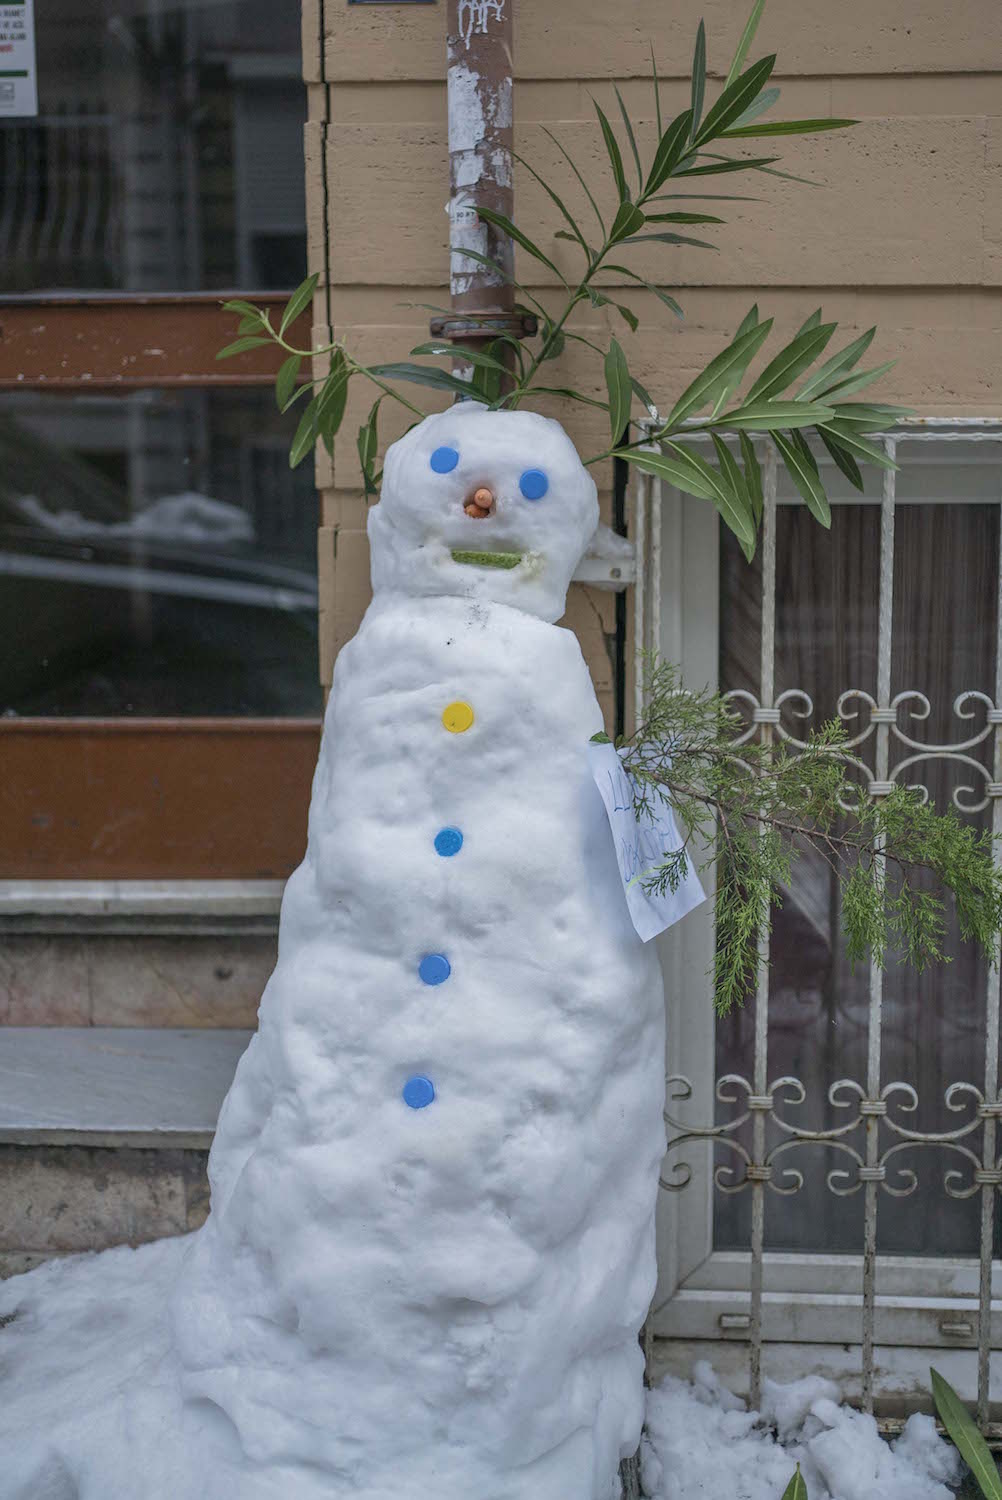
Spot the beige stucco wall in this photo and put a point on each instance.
(905, 230)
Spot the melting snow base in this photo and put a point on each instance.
(88, 1385)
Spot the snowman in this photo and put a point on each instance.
(431, 1243)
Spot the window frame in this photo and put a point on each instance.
(214, 769)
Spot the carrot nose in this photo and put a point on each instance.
(480, 504)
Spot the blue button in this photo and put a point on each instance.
(448, 841)
(534, 484)
(444, 460)
(419, 1091)
(434, 968)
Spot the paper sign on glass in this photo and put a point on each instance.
(18, 83)
(641, 845)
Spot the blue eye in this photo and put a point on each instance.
(444, 460)
(534, 484)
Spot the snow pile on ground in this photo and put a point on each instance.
(703, 1444)
(89, 1384)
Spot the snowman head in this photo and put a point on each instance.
(486, 504)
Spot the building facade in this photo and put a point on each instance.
(167, 608)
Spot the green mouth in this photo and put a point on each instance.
(488, 559)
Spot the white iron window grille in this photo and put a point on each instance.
(841, 1292)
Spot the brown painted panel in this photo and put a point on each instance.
(587, 39)
(123, 341)
(138, 799)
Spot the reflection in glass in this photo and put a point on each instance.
(157, 556)
(167, 154)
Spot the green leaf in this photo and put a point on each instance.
(796, 1489)
(670, 239)
(474, 357)
(615, 156)
(285, 380)
(698, 78)
(617, 380)
(693, 475)
(802, 350)
(570, 162)
(499, 221)
(765, 100)
(330, 408)
(336, 376)
(305, 439)
(736, 357)
(575, 233)
(240, 345)
(669, 153)
(728, 164)
(600, 739)
(299, 301)
(628, 316)
(736, 483)
(762, 415)
(428, 375)
(730, 385)
(657, 89)
(965, 1434)
(843, 360)
(236, 304)
(735, 99)
(812, 322)
(733, 508)
(843, 459)
(553, 343)
(661, 295)
(631, 138)
(805, 477)
(852, 383)
(684, 218)
(368, 442)
(851, 439)
(627, 221)
(784, 127)
(249, 323)
(750, 320)
(569, 394)
(666, 466)
(753, 475)
(645, 395)
(867, 418)
(705, 198)
(744, 42)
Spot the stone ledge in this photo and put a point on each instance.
(114, 1086)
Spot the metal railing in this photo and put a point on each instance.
(871, 1132)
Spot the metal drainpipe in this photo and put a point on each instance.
(480, 54)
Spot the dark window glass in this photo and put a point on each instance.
(167, 153)
(157, 556)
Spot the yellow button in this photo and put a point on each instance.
(457, 718)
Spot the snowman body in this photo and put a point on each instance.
(431, 1244)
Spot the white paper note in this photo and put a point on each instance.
(18, 80)
(641, 845)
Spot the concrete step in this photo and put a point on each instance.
(104, 1135)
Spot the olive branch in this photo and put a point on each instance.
(507, 371)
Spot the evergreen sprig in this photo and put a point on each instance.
(749, 810)
(507, 371)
